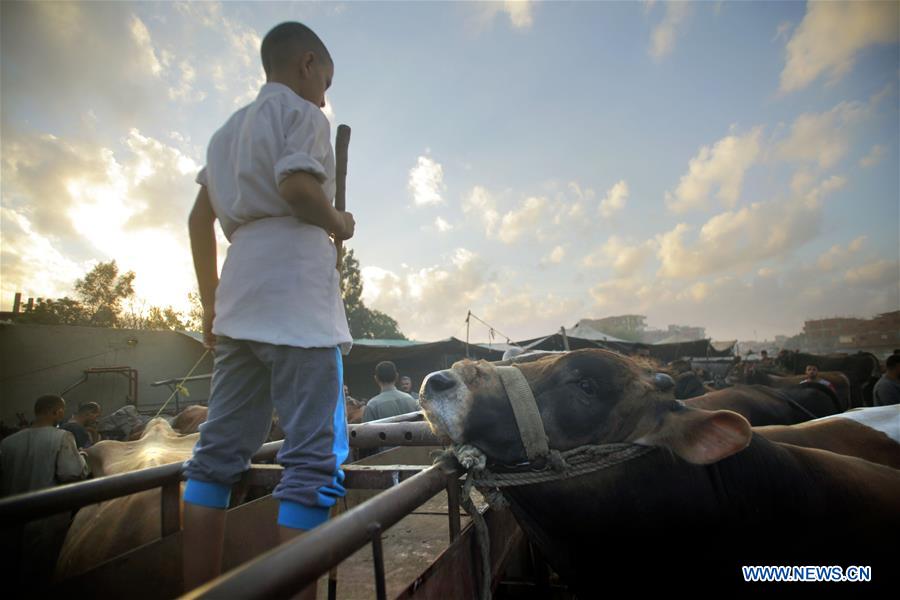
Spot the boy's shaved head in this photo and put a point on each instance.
(287, 41)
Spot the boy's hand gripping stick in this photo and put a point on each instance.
(341, 145)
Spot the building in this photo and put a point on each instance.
(674, 334)
(878, 335)
(628, 327)
(114, 367)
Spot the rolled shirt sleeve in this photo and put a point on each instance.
(70, 465)
(307, 144)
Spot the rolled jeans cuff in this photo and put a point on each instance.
(300, 516)
(208, 494)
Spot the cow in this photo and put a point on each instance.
(862, 369)
(762, 405)
(869, 433)
(355, 409)
(837, 379)
(189, 420)
(102, 531)
(703, 496)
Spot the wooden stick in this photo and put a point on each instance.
(341, 144)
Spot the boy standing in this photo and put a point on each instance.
(276, 318)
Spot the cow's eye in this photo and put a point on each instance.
(586, 386)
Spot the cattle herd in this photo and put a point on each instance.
(749, 475)
(767, 471)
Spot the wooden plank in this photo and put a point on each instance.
(366, 477)
(153, 571)
(170, 509)
(455, 573)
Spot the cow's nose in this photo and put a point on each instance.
(440, 382)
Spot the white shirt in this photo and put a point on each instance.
(279, 284)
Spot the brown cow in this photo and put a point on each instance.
(355, 409)
(837, 379)
(701, 497)
(862, 369)
(189, 420)
(762, 405)
(869, 433)
(134, 520)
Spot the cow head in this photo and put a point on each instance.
(584, 397)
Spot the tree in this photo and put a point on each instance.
(164, 318)
(194, 319)
(64, 311)
(364, 322)
(102, 292)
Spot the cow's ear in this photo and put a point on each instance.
(702, 437)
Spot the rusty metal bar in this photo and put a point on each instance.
(178, 380)
(374, 530)
(404, 418)
(170, 509)
(376, 435)
(294, 565)
(453, 508)
(33, 505)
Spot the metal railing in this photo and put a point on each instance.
(294, 565)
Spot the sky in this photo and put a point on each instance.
(731, 165)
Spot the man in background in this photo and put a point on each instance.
(391, 401)
(39, 457)
(887, 390)
(81, 422)
(406, 386)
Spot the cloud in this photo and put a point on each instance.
(531, 216)
(235, 67)
(424, 300)
(481, 205)
(822, 138)
(723, 166)
(781, 32)
(615, 199)
(141, 36)
(733, 306)
(442, 225)
(527, 218)
(69, 58)
(625, 259)
(554, 257)
(37, 171)
(831, 36)
(736, 240)
(244, 40)
(31, 262)
(838, 256)
(431, 302)
(877, 272)
(185, 90)
(873, 157)
(426, 181)
(662, 40)
(89, 203)
(162, 187)
(520, 13)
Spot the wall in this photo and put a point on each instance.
(46, 359)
